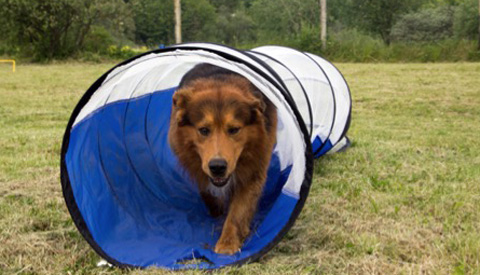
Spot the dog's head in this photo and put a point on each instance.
(219, 119)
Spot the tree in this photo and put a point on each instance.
(55, 28)
(228, 5)
(284, 18)
(379, 16)
(234, 26)
(154, 22)
(428, 24)
(466, 20)
(198, 20)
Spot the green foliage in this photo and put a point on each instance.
(50, 29)
(234, 27)
(308, 39)
(355, 46)
(358, 30)
(284, 19)
(154, 22)
(97, 40)
(466, 19)
(379, 16)
(431, 24)
(118, 20)
(228, 5)
(198, 20)
(124, 52)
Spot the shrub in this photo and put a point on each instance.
(97, 40)
(353, 45)
(350, 45)
(308, 39)
(433, 24)
(124, 52)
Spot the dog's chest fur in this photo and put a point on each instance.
(222, 193)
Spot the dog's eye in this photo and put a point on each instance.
(233, 130)
(204, 131)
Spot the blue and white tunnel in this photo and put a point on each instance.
(124, 188)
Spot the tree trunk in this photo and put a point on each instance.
(323, 23)
(178, 22)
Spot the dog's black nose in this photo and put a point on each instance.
(217, 167)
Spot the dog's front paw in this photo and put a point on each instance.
(228, 246)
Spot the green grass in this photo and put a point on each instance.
(404, 199)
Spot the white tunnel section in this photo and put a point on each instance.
(326, 89)
(341, 92)
(156, 72)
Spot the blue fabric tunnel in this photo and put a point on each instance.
(125, 189)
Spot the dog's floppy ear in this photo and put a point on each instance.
(181, 97)
(259, 101)
(180, 101)
(258, 107)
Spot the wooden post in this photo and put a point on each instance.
(478, 46)
(323, 23)
(178, 21)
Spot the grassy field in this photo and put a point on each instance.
(404, 199)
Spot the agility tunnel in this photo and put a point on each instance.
(124, 188)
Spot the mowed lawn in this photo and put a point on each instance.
(404, 199)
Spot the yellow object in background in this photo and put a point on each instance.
(9, 61)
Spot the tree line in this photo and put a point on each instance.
(57, 29)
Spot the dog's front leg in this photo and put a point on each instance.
(237, 224)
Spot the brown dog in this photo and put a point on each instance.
(223, 131)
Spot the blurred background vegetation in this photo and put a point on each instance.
(358, 30)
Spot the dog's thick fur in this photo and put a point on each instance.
(220, 115)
